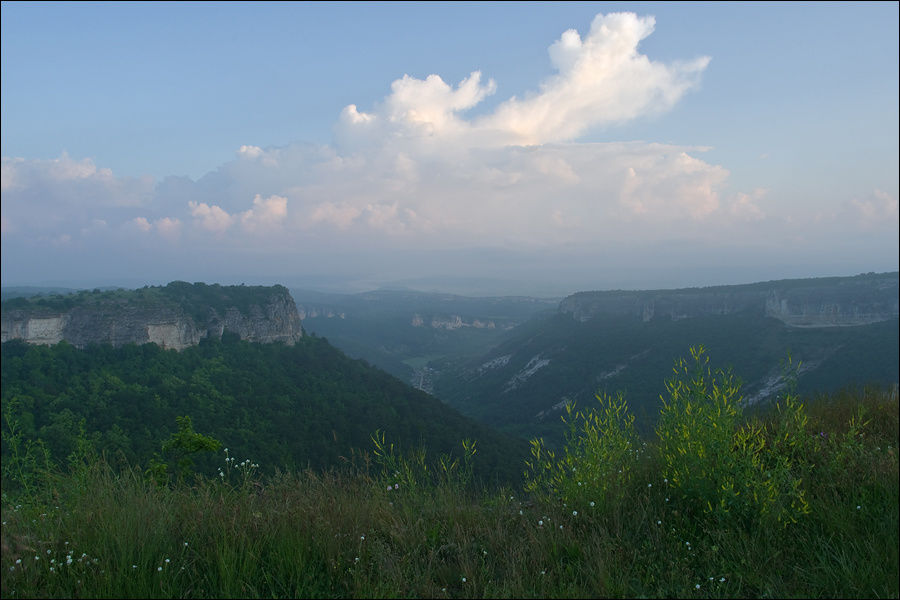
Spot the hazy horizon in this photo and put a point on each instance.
(485, 149)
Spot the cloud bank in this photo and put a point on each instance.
(414, 173)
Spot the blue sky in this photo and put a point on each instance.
(656, 145)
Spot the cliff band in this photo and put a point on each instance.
(820, 302)
(175, 316)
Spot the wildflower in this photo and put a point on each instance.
(560, 526)
(858, 507)
(543, 572)
(540, 523)
(592, 502)
(18, 561)
(36, 557)
(665, 480)
(659, 522)
(12, 568)
(721, 580)
(574, 513)
(185, 544)
(649, 485)
(159, 568)
(697, 587)
(134, 566)
(356, 560)
(389, 487)
(396, 486)
(520, 512)
(362, 537)
(167, 561)
(49, 551)
(463, 579)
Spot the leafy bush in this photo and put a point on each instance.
(716, 463)
(600, 454)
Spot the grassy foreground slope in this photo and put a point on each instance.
(823, 520)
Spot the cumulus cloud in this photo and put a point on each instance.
(416, 171)
(600, 80)
(141, 223)
(168, 227)
(746, 206)
(266, 214)
(874, 211)
(211, 218)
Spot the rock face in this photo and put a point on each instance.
(269, 315)
(823, 302)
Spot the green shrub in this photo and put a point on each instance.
(719, 466)
(600, 454)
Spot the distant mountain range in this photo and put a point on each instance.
(513, 362)
(843, 331)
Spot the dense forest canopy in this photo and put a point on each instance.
(287, 407)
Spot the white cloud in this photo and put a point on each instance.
(746, 206)
(212, 218)
(601, 79)
(874, 211)
(168, 227)
(141, 223)
(266, 214)
(250, 151)
(338, 215)
(416, 172)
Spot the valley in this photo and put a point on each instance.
(540, 353)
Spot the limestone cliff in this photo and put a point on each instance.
(174, 316)
(822, 302)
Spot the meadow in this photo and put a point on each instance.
(797, 501)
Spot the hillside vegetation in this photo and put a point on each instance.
(287, 407)
(522, 384)
(715, 503)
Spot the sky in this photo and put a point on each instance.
(480, 148)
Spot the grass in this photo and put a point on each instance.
(98, 532)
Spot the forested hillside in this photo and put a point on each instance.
(522, 385)
(280, 406)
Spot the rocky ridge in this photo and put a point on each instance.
(821, 302)
(174, 316)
